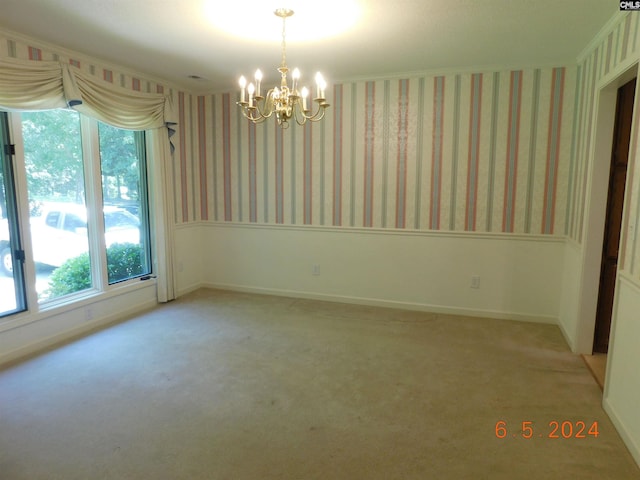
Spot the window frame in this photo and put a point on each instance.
(96, 232)
(144, 216)
(13, 218)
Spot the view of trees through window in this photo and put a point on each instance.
(55, 179)
(124, 193)
(88, 211)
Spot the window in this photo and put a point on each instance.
(55, 169)
(13, 298)
(88, 218)
(124, 209)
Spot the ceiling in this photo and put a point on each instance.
(174, 39)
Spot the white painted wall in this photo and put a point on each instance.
(622, 389)
(569, 317)
(520, 276)
(189, 257)
(27, 334)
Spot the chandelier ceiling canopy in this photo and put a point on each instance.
(259, 26)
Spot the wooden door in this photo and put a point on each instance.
(613, 222)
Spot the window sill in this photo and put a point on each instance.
(73, 302)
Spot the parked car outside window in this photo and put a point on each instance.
(60, 233)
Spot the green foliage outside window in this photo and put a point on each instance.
(124, 261)
(54, 164)
(72, 276)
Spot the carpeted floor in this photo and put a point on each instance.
(221, 385)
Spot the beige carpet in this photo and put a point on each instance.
(221, 385)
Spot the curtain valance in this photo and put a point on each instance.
(40, 85)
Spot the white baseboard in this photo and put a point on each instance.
(567, 338)
(628, 440)
(386, 303)
(189, 288)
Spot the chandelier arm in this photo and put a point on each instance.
(319, 113)
(254, 120)
(250, 113)
(262, 109)
(317, 116)
(262, 116)
(261, 112)
(246, 115)
(300, 116)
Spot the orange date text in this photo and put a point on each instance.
(554, 429)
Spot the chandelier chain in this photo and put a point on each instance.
(284, 42)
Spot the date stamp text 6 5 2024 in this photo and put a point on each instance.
(554, 429)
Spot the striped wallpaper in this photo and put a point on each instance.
(491, 151)
(616, 50)
(18, 48)
(480, 152)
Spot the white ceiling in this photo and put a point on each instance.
(172, 39)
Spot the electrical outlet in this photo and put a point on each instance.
(315, 270)
(475, 281)
(88, 313)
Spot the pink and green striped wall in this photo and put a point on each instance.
(17, 48)
(614, 51)
(491, 151)
(477, 152)
(617, 49)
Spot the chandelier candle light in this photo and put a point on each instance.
(285, 102)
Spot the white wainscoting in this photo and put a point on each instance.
(569, 317)
(520, 276)
(27, 334)
(622, 381)
(189, 254)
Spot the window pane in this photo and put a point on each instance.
(55, 179)
(124, 192)
(12, 292)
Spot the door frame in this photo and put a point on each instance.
(611, 252)
(606, 93)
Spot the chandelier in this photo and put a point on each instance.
(285, 102)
